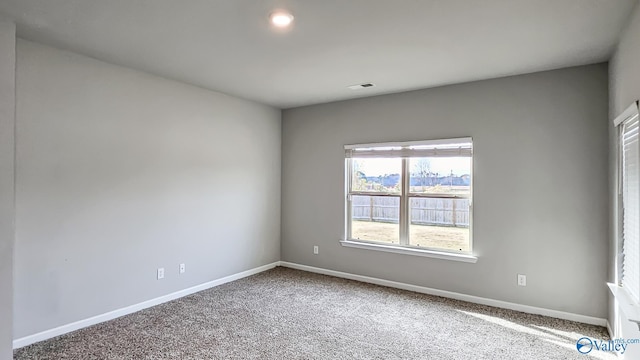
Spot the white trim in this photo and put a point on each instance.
(611, 334)
(453, 295)
(410, 251)
(60, 330)
(630, 112)
(426, 148)
(462, 140)
(405, 204)
(629, 307)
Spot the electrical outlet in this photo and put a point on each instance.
(522, 280)
(182, 269)
(160, 273)
(315, 249)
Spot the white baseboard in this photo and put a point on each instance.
(60, 330)
(453, 295)
(611, 334)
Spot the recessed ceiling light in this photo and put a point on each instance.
(281, 18)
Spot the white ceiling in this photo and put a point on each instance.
(228, 46)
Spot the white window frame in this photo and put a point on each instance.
(626, 289)
(406, 151)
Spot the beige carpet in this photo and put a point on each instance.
(290, 314)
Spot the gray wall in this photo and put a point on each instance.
(119, 173)
(624, 88)
(7, 124)
(540, 195)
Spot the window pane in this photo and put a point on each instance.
(376, 175)
(440, 175)
(439, 223)
(375, 218)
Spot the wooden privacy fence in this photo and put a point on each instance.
(423, 211)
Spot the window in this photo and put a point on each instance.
(629, 200)
(413, 195)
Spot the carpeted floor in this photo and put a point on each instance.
(289, 314)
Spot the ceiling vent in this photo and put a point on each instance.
(361, 86)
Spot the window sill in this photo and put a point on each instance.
(408, 251)
(629, 307)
